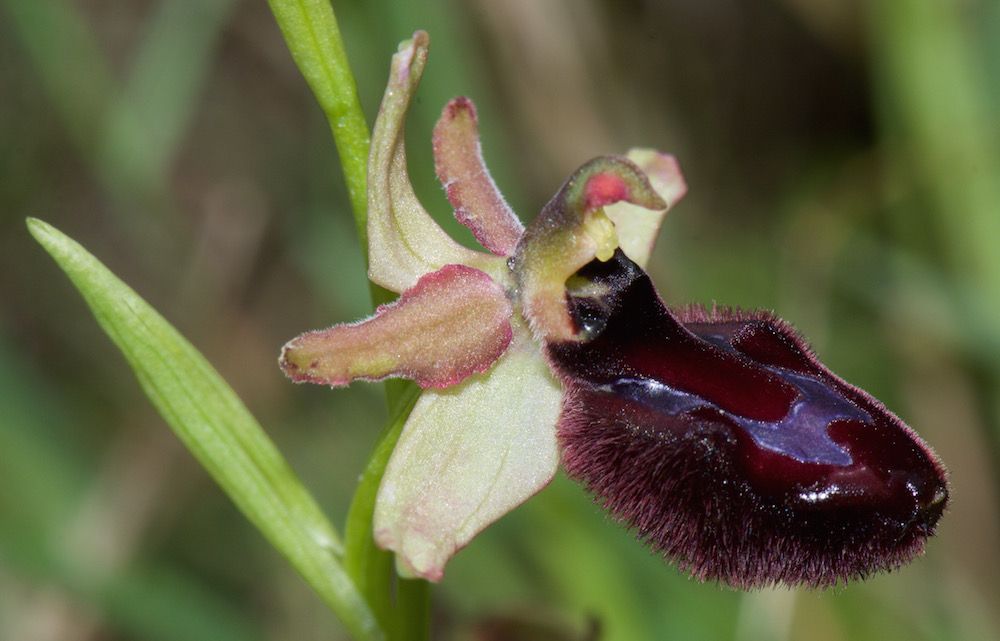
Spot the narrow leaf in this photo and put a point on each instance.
(214, 424)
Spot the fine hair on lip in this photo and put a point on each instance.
(726, 445)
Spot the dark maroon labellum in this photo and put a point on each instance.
(729, 447)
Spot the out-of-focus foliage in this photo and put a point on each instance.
(215, 426)
(843, 161)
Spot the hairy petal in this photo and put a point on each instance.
(458, 160)
(571, 230)
(467, 456)
(453, 323)
(404, 242)
(637, 229)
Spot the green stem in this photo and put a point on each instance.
(313, 37)
(369, 567)
(413, 610)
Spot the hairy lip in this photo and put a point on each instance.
(767, 469)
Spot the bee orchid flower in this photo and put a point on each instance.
(717, 436)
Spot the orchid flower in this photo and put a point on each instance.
(716, 435)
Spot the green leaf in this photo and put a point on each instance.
(217, 428)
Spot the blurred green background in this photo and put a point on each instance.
(844, 169)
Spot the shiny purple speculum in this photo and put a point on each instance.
(728, 446)
(801, 434)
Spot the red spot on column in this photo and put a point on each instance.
(603, 189)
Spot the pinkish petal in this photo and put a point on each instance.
(458, 159)
(404, 242)
(637, 229)
(467, 456)
(453, 323)
(571, 230)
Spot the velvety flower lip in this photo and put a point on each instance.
(783, 473)
(717, 436)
